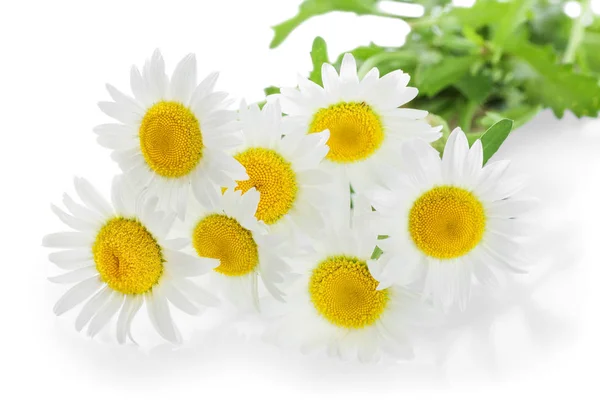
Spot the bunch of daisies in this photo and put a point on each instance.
(329, 202)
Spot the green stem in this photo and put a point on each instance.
(577, 33)
(424, 22)
(388, 15)
(466, 116)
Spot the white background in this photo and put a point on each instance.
(535, 339)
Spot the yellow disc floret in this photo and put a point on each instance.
(447, 222)
(273, 177)
(127, 256)
(355, 131)
(170, 139)
(344, 292)
(222, 237)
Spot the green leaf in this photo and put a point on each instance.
(271, 90)
(483, 12)
(510, 20)
(520, 115)
(433, 79)
(554, 85)
(319, 56)
(476, 87)
(312, 8)
(493, 138)
(376, 253)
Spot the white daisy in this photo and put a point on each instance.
(120, 259)
(284, 170)
(365, 124)
(449, 219)
(174, 134)
(335, 304)
(243, 248)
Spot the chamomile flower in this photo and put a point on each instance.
(244, 251)
(119, 259)
(335, 304)
(365, 123)
(284, 170)
(174, 135)
(450, 219)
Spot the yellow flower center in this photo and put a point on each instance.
(170, 139)
(127, 256)
(222, 237)
(344, 292)
(355, 131)
(273, 177)
(447, 222)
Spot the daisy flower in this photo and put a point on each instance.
(336, 305)
(448, 220)
(119, 259)
(365, 124)
(284, 170)
(242, 247)
(173, 135)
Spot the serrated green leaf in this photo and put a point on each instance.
(557, 86)
(312, 8)
(319, 56)
(493, 138)
(431, 80)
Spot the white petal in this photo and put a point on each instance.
(77, 294)
(75, 276)
(71, 259)
(204, 88)
(455, 154)
(184, 265)
(118, 112)
(176, 244)
(348, 69)
(67, 240)
(91, 198)
(130, 308)
(103, 316)
(331, 80)
(160, 316)
(91, 307)
(71, 221)
(511, 208)
(124, 100)
(178, 299)
(79, 211)
(196, 293)
(183, 81)
(138, 86)
(155, 75)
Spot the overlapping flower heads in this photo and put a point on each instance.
(333, 207)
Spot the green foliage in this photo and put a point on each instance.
(493, 138)
(556, 85)
(312, 8)
(319, 57)
(475, 67)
